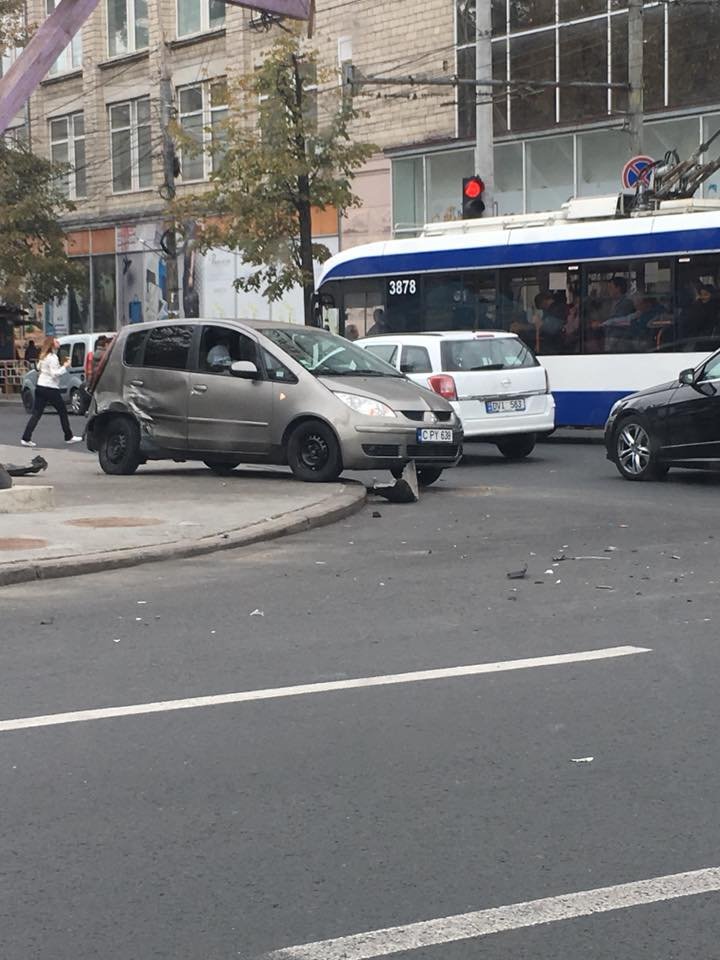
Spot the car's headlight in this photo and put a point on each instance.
(365, 405)
(615, 407)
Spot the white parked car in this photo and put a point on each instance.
(491, 378)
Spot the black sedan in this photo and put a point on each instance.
(673, 425)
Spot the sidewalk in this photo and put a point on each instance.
(165, 510)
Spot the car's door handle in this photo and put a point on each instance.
(506, 382)
(199, 388)
(137, 383)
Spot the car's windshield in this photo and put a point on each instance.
(324, 354)
(489, 353)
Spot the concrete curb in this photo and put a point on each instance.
(24, 499)
(340, 505)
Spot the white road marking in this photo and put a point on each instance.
(274, 693)
(532, 913)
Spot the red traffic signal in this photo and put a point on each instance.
(472, 204)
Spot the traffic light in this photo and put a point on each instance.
(472, 202)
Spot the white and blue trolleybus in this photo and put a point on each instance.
(611, 302)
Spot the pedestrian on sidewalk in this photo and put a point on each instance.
(47, 390)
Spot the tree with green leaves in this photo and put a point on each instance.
(286, 149)
(34, 265)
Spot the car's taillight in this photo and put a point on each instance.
(444, 385)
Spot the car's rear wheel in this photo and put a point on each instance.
(223, 468)
(119, 448)
(313, 452)
(28, 401)
(428, 475)
(635, 451)
(516, 448)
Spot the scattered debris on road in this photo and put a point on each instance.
(517, 574)
(581, 759)
(257, 613)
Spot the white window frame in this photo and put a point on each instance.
(208, 112)
(135, 185)
(71, 139)
(205, 26)
(71, 57)
(132, 22)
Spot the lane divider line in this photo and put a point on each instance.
(482, 923)
(275, 693)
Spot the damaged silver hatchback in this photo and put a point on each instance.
(227, 392)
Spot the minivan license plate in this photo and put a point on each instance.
(505, 406)
(434, 436)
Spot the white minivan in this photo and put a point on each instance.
(491, 378)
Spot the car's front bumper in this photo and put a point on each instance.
(383, 446)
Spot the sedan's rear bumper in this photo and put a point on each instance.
(538, 417)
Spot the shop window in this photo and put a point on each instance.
(445, 173)
(509, 178)
(408, 194)
(601, 157)
(104, 293)
(680, 135)
(549, 173)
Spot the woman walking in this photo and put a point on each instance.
(47, 390)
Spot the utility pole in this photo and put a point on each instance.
(484, 156)
(304, 207)
(170, 169)
(635, 41)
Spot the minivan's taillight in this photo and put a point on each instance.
(444, 385)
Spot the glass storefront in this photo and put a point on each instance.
(538, 174)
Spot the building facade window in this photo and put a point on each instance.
(199, 16)
(127, 26)
(536, 174)
(71, 57)
(131, 145)
(569, 40)
(16, 136)
(67, 146)
(202, 111)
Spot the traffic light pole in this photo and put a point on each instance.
(484, 154)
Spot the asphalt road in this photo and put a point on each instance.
(207, 832)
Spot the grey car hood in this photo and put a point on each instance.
(397, 392)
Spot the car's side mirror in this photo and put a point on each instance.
(687, 377)
(245, 369)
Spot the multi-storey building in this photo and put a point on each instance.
(99, 111)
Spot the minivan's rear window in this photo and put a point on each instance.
(487, 353)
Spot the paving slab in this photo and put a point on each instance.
(164, 510)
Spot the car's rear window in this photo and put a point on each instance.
(487, 353)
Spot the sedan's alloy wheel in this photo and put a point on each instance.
(633, 449)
